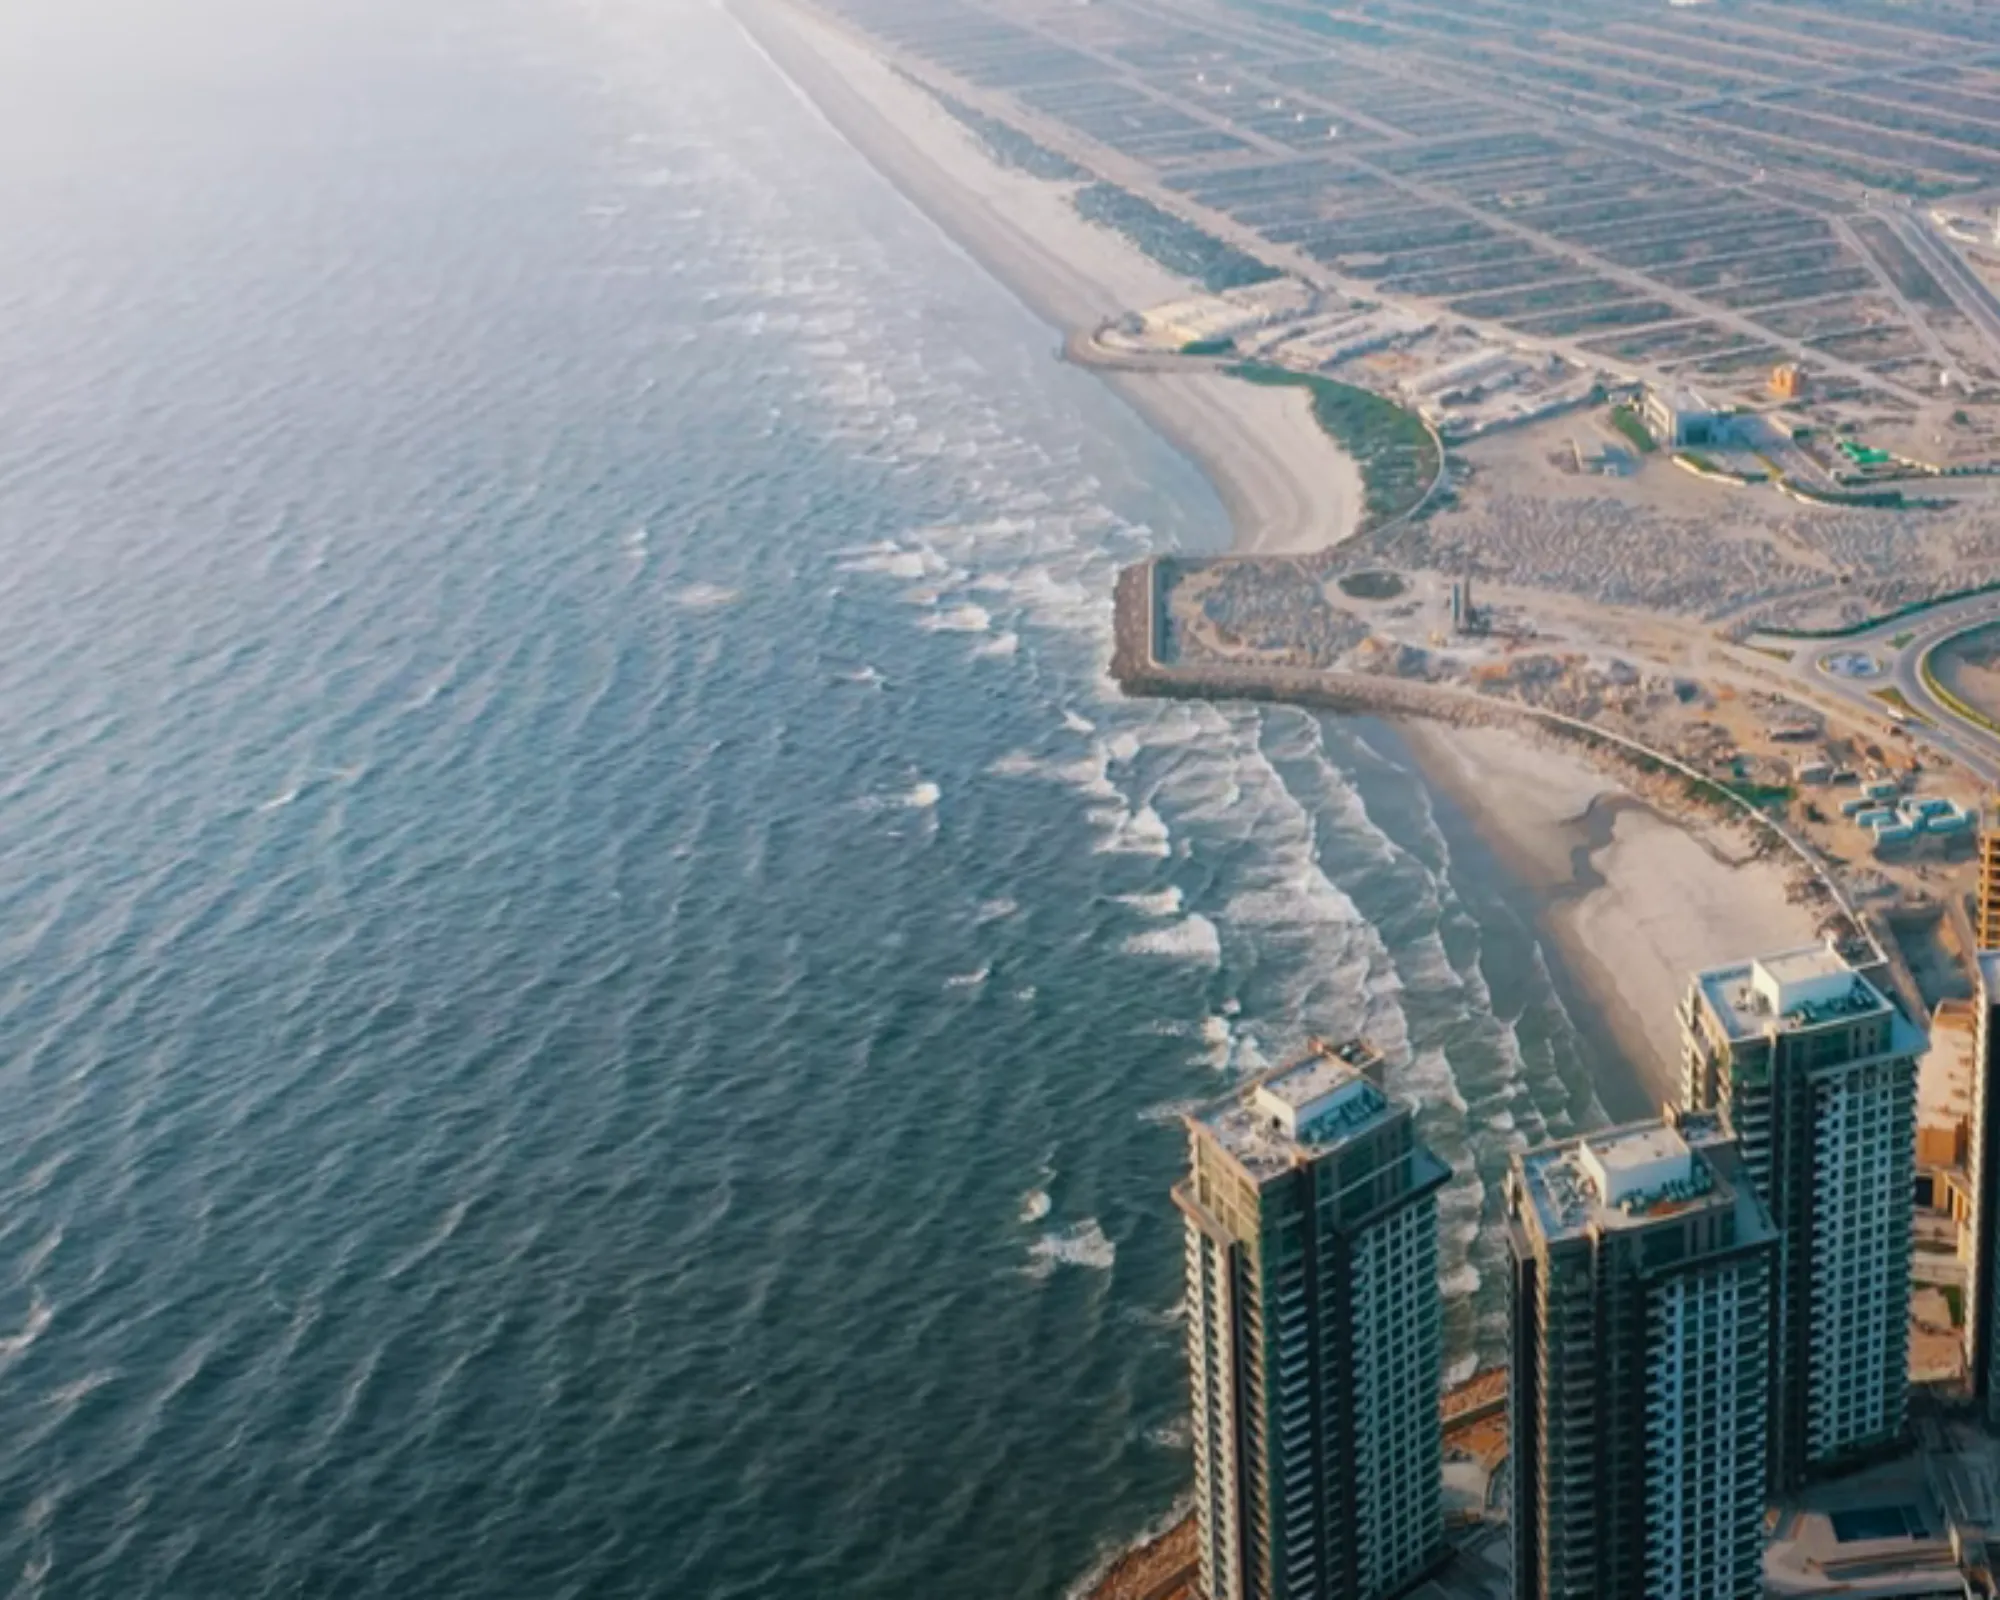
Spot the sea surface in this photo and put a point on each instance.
(595, 986)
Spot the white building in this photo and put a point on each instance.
(1814, 1072)
(1639, 1381)
(1681, 419)
(1314, 1337)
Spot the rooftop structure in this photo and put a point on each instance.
(1612, 1180)
(1299, 1113)
(1794, 989)
(1314, 1335)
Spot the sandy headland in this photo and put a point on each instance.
(1633, 900)
(1287, 487)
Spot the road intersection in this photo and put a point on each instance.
(1880, 671)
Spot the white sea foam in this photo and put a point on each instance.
(40, 1314)
(1081, 1245)
(970, 980)
(1016, 764)
(1077, 724)
(1310, 898)
(704, 596)
(995, 910)
(1219, 1043)
(1160, 903)
(1000, 645)
(1035, 1205)
(1425, 964)
(959, 619)
(1430, 1080)
(30, 1264)
(1193, 938)
(892, 561)
(920, 797)
(1089, 775)
(1133, 833)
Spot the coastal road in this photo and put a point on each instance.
(1896, 651)
(1957, 279)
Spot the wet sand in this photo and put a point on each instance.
(1634, 902)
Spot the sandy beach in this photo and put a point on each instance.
(1635, 902)
(1287, 487)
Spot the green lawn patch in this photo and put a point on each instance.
(1895, 697)
(1762, 795)
(1628, 422)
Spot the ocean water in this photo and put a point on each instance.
(596, 985)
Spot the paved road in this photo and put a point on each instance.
(1956, 278)
(1898, 649)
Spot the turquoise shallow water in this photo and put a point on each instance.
(596, 984)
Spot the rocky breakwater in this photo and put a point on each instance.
(1147, 660)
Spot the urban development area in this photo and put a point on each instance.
(1664, 339)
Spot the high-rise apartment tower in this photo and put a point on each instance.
(1639, 1384)
(1986, 919)
(1982, 1174)
(1814, 1074)
(1313, 1336)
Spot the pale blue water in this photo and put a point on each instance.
(595, 983)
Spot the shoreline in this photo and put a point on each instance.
(1626, 900)
(1630, 900)
(1633, 900)
(1286, 487)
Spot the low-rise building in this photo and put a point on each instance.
(1682, 419)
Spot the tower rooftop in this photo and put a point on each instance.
(1801, 988)
(1298, 1112)
(1623, 1178)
